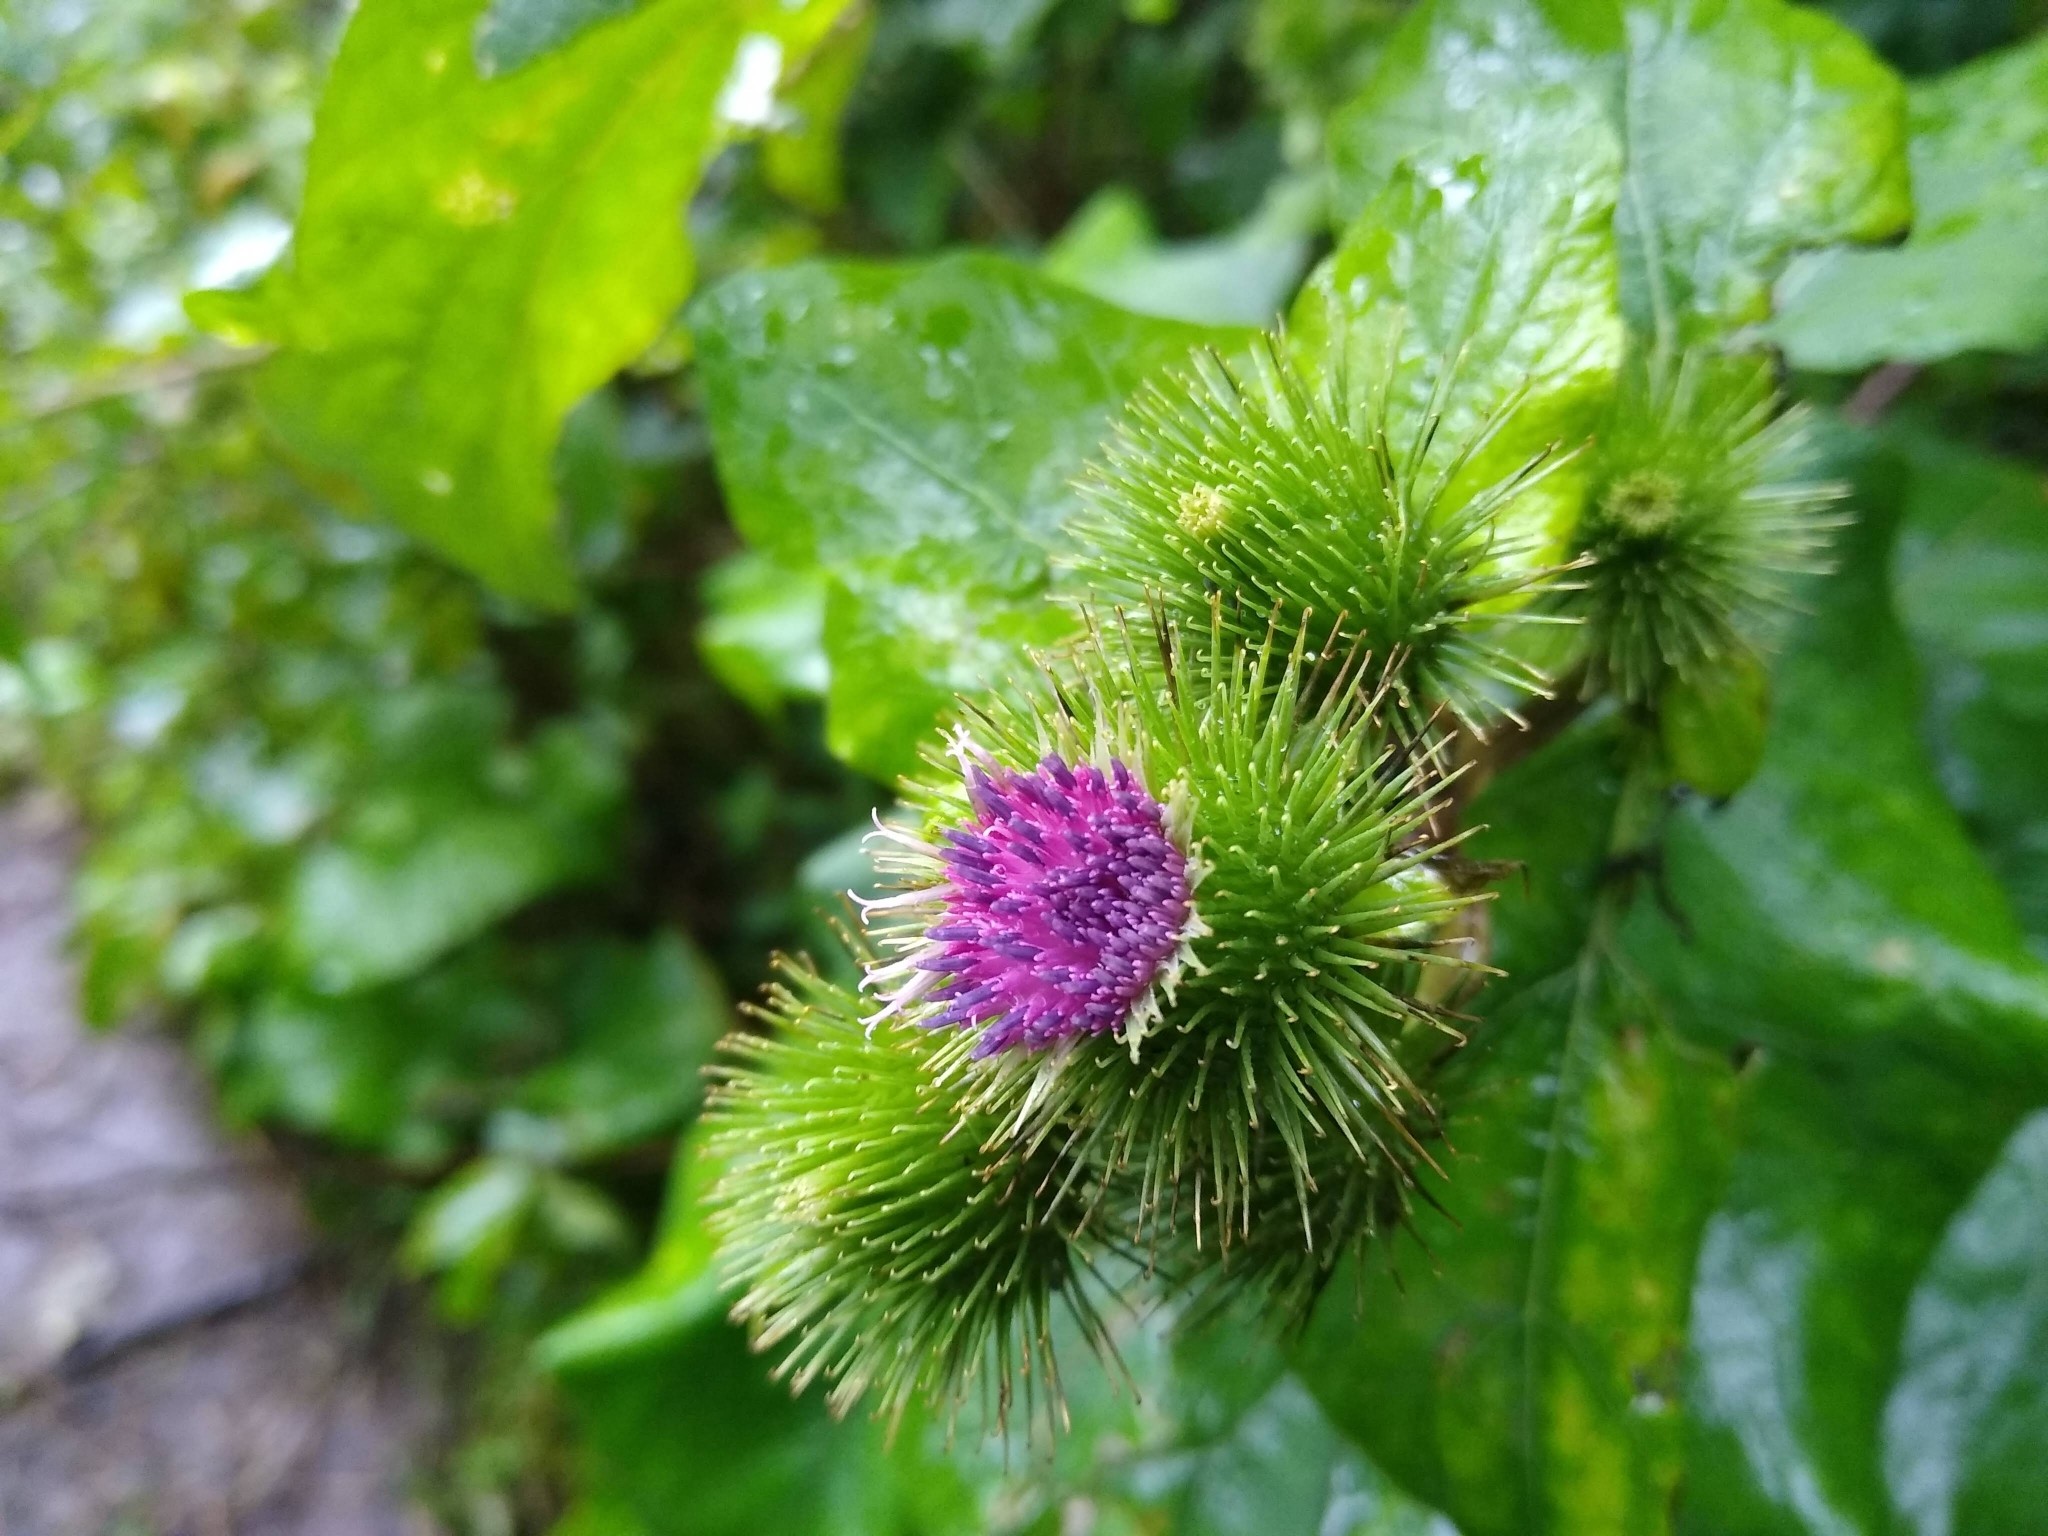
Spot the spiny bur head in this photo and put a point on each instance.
(1283, 488)
(1287, 865)
(878, 1235)
(1700, 521)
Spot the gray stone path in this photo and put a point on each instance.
(174, 1358)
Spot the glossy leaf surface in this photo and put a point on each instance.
(1748, 130)
(1974, 272)
(913, 431)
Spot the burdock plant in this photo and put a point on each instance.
(1160, 966)
(1180, 894)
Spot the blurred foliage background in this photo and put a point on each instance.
(453, 879)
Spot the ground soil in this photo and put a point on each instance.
(179, 1355)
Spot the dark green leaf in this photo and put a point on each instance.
(1846, 1177)
(1834, 915)
(640, 1022)
(1971, 582)
(418, 870)
(914, 430)
(1974, 273)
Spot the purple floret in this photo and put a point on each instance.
(1065, 897)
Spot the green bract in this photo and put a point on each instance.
(1293, 1033)
(1292, 499)
(1699, 522)
(890, 1241)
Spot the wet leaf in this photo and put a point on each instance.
(913, 431)
(1974, 272)
(1748, 130)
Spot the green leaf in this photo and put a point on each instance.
(674, 1295)
(1974, 273)
(641, 1022)
(421, 867)
(913, 430)
(801, 158)
(1835, 915)
(469, 1228)
(1241, 277)
(763, 631)
(1970, 578)
(1846, 1177)
(398, 1071)
(1312, 57)
(1748, 130)
(453, 290)
(1714, 726)
(1966, 1428)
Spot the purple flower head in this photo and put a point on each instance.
(1062, 902)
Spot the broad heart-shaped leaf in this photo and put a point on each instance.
(1832, 928)
(914, 430)
(1971, 584)
(1974, 273)
(1749, 129)
(1490, 284)
(475, 255)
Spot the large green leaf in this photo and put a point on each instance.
(1970, 574)
(1833, 917)
(914, 430)
(1749, 129)
(1837, 917)
(476, 254)
(1971, 583)
(1524, 1371)
(1974, 274)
